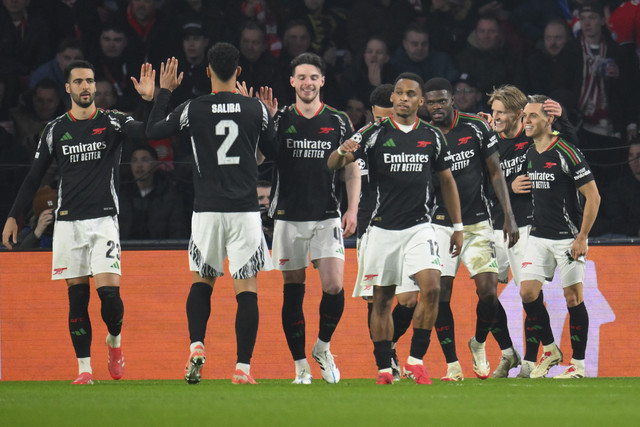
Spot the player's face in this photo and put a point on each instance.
(82, 87)
(536, 123)
(406, 98)
(307, 82)
(297, 40)
(440, 106)
(381, 112)
(504, 120)
(465, 97)
(591, 24)
(376, 53)
(634, 160)
(355, 110)
(555, 37)
(112, 43)
(488, 34)
(416, 45)
(252, 44)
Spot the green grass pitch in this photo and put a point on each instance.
(352, 402)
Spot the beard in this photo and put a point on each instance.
(77, 99)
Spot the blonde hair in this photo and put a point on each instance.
(512, 97)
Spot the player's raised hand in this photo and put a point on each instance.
(10, 233)
(169, 78)
(147, 84)
(488, 117)
(266, 96)
(243, 90)
(552, 108)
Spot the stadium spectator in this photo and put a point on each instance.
(259, 66)
(114, 62)
(77, 19)
(415, 56)
(622, 198)
(605, 81)
(39, 105)
(371, 68)
(150, 207)
(106, 96)
(624, 24)
(149, 32)
(69, 49)
(15, 162)
(357, 112)
(193, 64)
(449, 23)
(466, 96)
(542, 66)
(26, 38)
(328, 30)
(387, 18)
(209, 13)
(487, 58)
(38, 233)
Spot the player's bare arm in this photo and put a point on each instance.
(510, 228)
(169, 78)
(353, 181)
(452, 203)
(521, 184)
(591, 205)
(147, 84)
(343, 155)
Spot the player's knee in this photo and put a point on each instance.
(528, 294)
(408, 299)
(332, 288)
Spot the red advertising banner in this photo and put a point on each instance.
(35, 343)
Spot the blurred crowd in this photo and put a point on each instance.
(582, 53)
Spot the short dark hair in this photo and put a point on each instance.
(310, 59)
(114, 26)
(381, 96)
(80, 63)
(223, 60)
(410, 76)
(414, 27)
(253, 25)
(538, 99)
(146, 147)
(438, 83)
(263, 183)
(70, 43)
(46, 84)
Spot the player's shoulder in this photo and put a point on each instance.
(338, 114)
(564, 148)
(473, 118)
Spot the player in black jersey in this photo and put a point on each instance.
(402, 152)
(507, 103)
(558, 173)
(229, 132)
(305, 206)
(381, 108)
(86, 143)
(473, 151)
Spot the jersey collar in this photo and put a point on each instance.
(73, 119)
(295, 108)
(396, 126)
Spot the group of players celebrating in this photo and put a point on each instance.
(492, 192)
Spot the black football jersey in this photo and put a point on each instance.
(470, 142)
(88, 156)
(401, 166)
(226, 129)
(303, 188)
(556, 174)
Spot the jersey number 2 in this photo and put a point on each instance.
(230, 129)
